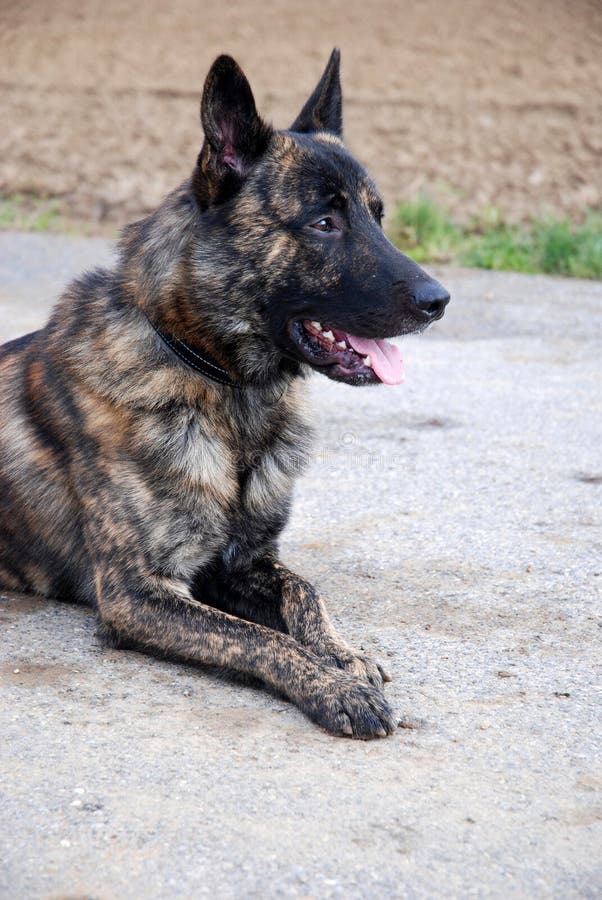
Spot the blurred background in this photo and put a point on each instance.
(481, 104)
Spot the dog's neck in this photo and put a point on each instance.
(195, 357)
(193, 321)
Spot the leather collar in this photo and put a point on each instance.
(197, 359)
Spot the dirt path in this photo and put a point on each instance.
(481, 102)
(454, 523)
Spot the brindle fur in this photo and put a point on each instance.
(132, 483)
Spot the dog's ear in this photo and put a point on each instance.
(324, 109)
(235, 135)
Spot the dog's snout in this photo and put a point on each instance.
(431, 298)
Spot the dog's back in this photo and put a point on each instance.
(41, 534)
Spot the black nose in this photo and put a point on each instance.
(431, 298)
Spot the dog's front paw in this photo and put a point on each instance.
(343, 657)
(344, 705)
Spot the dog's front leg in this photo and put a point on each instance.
(274, 596)
(160, 615)
(308, 621)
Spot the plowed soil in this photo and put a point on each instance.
(479, 102)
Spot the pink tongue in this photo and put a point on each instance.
(386, 359)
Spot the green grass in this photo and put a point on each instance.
(555, 246)
(26, 212)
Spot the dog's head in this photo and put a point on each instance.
(302, 219)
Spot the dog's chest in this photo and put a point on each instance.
(225, 476)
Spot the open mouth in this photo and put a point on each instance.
(344, 357)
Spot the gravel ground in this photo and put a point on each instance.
(455, 525)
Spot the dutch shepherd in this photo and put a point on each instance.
(151, 432)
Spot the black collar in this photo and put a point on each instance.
(193, 357)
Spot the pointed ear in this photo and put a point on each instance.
(235, 135)
(324, 109)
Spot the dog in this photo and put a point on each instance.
(151, 432)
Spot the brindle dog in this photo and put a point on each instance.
(151, 432)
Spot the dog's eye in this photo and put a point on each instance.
(325, 224)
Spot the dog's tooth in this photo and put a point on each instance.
(367, 361)
(328, 335)
(342, 345)
(317, 325)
